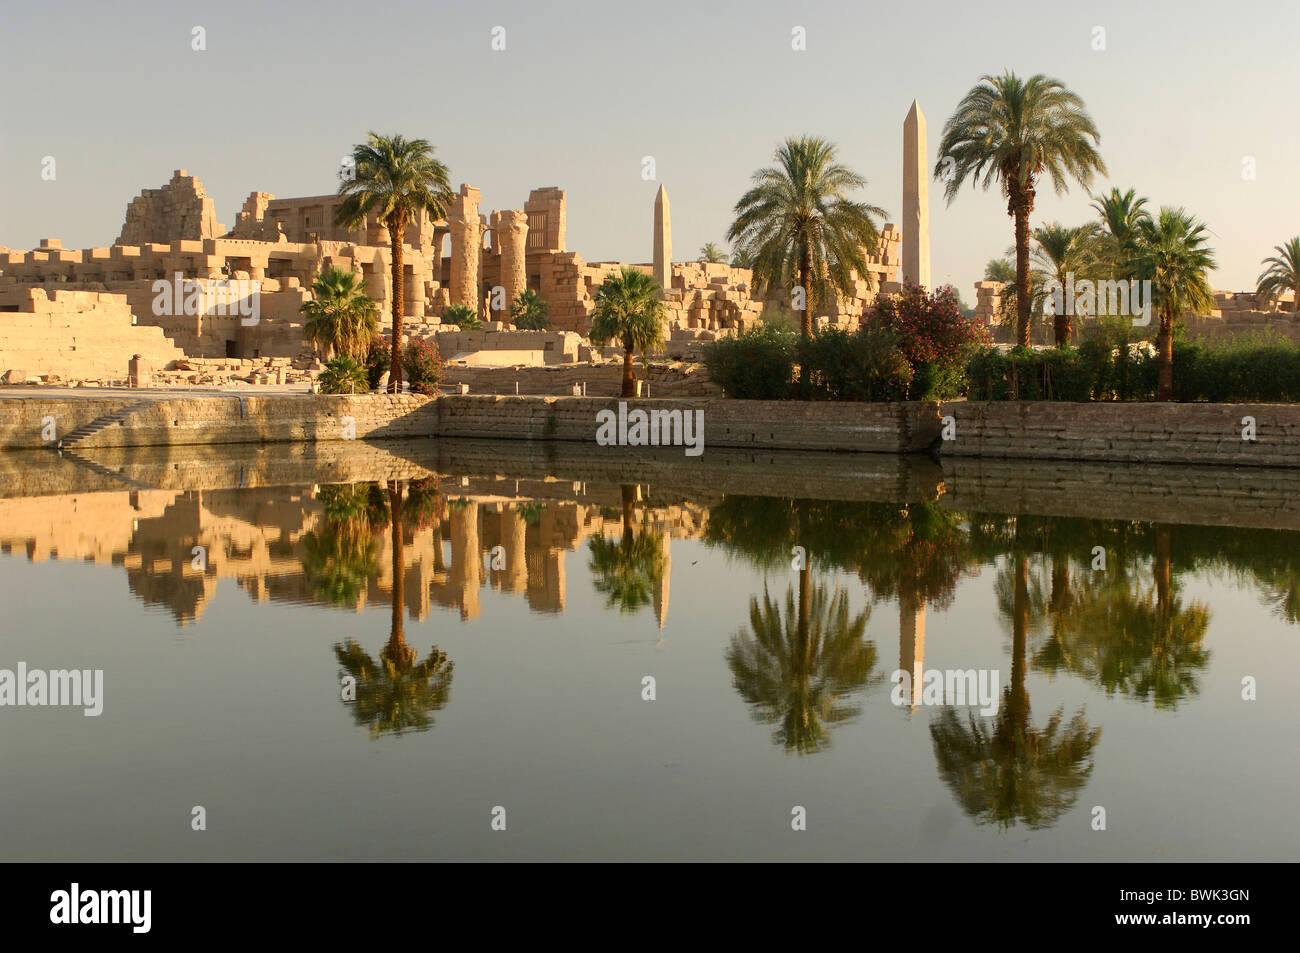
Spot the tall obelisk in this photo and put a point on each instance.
(663, 260)
(916, 199)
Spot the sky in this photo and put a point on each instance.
(1195, 102)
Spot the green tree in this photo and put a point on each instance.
(529, 311)
(396, 179)
(799, 229)
(630, 311)
(1060, 250)
(1170, 251)
(1013, 131)
(1281, 273)
(341, 317)
(712, 253)
(1121, 216)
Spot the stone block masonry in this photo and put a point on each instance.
(1206, 434)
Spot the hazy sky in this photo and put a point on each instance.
(1182, 93)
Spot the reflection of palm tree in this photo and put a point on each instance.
(627, 572)
(797, 669)
(397, 693)
(1142, 643)
(341, 554)
(1008, 770)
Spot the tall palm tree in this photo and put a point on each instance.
(712, 253)
(1060, 250)
(797, 226)
(629, 310)
(1121, 215)
(799, 667)
(1014, 131)
(1171, 252)
(396, 179)
(1281, 273)
(341, 317)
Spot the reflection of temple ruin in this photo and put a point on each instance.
(177, 547)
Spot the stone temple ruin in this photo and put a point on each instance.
(71, 305)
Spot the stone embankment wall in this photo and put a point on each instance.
(1126, 433)
(753, 424)
(25, 422)
(602, 380)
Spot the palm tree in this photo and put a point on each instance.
(528, 313)
(1281, 273)
(798, 227)
(1013, 131)
(1060, 250)
(341, 317)
(1170, 251)
(630, 311)
(396, 179)
(798, 668)
(712, 253)
(1121, 214)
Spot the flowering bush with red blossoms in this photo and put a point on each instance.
(933, 334)
(422, 366)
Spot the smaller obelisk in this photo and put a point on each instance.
(663, 259)
(916, 200)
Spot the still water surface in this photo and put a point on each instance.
(254, 665)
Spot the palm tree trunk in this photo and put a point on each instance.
(1061, 326)
(395, 230)
(1163, 567)
(628, 492)
(1020, 205)
(629, 375)
(1018, 716)
(805, 275)
(1165, 346)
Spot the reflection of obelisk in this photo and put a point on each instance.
(911, 641)
(661, 587)
(663, 250)
(916, 200)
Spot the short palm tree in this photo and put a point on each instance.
(797, 226)
(528, 313)
(1170, 251)
(1281, 273)
(1059, 251)
(1121, 214)
(396, 179)
(630, 311)
(341, 318)
(1015, 131)
(712, 253)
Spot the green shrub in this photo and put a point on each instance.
(377, 361)
(528, 313)
(754, 365)
(343, 375)
(463, 316)
(867, 365)
(422, 367)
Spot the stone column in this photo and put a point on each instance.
(663, 242)
(916, 200)
(512, 239)
(466, 240)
